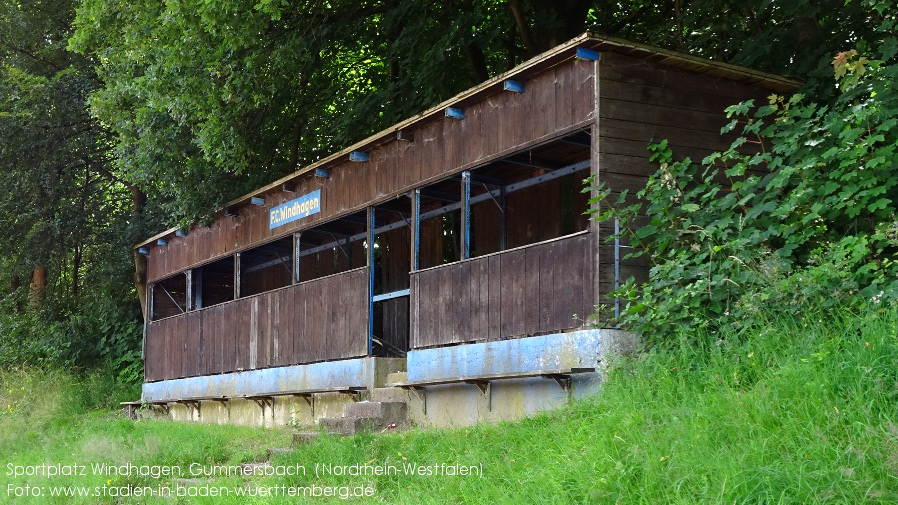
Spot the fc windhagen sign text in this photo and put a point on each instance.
(298, 208)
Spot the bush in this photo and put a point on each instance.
(100, 334)
(799, 215)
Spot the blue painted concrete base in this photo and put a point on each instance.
(531, 354)
(461, 404)
(361, 372)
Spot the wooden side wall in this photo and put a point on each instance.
(640, 103)
(529, 290)
(557, 100)
(320, 320)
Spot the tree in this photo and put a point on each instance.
(804, 223)
(65, 212)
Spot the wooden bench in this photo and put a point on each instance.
(133, 406)
(262, 399)
(267, 399)
(561, 376)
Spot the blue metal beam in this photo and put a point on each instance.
(394, 294)
(513, 86)
(455, 112)
(587, 54)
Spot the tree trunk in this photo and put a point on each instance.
(15, 284)
(76, 271)
(139, 201)
(517, 12)
(38, 288)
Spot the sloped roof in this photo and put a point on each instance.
(537, 64)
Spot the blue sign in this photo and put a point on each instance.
(298, 208)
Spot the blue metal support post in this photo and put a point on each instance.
(416, 229)
(237, 276)
(370, 241)
(466, 214)
(296, 243)
(188, 279)
(616, 265)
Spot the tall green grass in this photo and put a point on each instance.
(788, 411)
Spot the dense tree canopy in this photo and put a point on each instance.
(119, 118)
(210, 99)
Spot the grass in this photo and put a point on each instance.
(791, 411)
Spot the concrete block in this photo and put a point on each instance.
(388, 412)
(389, 395)
(396, 377)
(275, 452)
(337, 425)
(305, 438)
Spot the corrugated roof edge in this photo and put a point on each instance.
(554, 56)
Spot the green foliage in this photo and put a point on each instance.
(212, 99)
(800, 214)
(103, 333)
(793, 410)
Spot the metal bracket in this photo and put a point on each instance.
(310, 399)
(163, 406)
(563, 381)
(192, 406)
(419, 392)
(486, 389)
(262, 401)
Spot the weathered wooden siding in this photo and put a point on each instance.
(639, 103)
(529, 290)
(557, 100)
(323, 319)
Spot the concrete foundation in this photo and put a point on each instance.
(446, 405)
(464, 404)
(277, 411)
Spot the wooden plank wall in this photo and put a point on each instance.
(642, 102)
(526, 291)
(320, 320)
(494, 126)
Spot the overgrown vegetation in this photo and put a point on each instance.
(787, 410)
(119, 119)
(771, 300)
(799, 215)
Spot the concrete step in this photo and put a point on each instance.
(385, 412)
(351, 426)
(304, 438)
(389, 395)
(396, 377)
(337, 425)
(274, 452)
